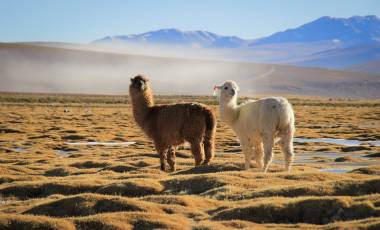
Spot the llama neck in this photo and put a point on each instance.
(142, 103)
(229, 111)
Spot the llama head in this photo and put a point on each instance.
(139, 84)
(227, 91)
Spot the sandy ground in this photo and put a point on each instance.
(46, 183)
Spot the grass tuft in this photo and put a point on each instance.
(305, 210)
(133, 188)
(28, 222)
(90, 204)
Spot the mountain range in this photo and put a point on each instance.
(174, 36)
(350, 31)
(327, 42)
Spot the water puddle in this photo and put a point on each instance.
(332, 166)
(92, 143)
(63, 153)
(18, 149)
(317, 157)
(344, 142)
(335, 170)
(328, 159)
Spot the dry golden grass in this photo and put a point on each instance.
(313, 210)
(28, 222)
(47, 184)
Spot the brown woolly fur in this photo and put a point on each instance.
(173, 124)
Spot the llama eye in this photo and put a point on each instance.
(226, 87)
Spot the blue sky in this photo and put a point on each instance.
(87, 20)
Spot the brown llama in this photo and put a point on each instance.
(171, 125)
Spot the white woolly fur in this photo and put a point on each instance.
(258, 124)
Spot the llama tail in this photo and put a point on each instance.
(286, 134)
(286, 121)
(208, 139)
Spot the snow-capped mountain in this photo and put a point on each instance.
(326, 42)
(353, 30)
(173, 36)
(350, 31)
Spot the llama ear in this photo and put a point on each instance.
(217, 87)
(131, 79)
(143, 85)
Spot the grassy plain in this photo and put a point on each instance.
(45, 183)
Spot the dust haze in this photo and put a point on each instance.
(106, 69)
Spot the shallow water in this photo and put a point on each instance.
(317, 156)
(63, 153)
(344, 142)
(336, 170)
(102, 143)
(331, 165)
(18, 149)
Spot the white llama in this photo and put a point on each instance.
(257, 124)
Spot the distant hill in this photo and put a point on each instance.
(74, 68)
(368, 67)
(326, 42)
(177, 37)
(348, 31)
(340, 58)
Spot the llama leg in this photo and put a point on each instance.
(259, 155)
(171, 158)
(268, 151)
(247, 160)
(196, 150)
(162, 159)
(286, 144)
(247, 151)
(208, 146)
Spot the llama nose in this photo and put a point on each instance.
(233, 92)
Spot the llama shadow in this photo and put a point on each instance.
(120, 168)
(178, 154)
(153, 154)
(183, 155)
(213, 168)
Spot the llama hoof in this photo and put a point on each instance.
(172, 169)
(198, 164)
